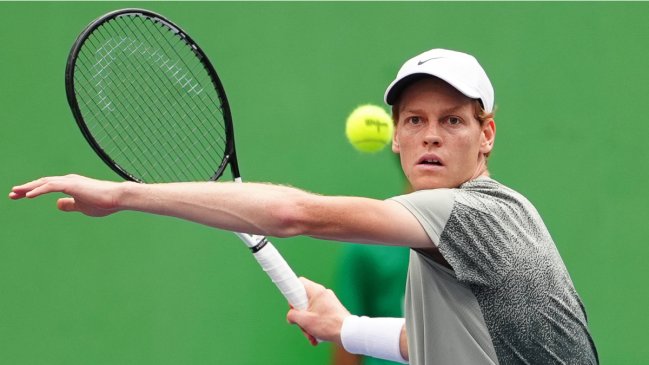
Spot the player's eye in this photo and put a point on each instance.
(414, 120)
(453, 120)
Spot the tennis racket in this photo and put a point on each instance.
(152, 106)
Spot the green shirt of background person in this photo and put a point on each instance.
(370, 281)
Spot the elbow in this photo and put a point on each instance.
(290, 217)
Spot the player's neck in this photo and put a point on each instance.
(481, 169)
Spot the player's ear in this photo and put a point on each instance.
(395, 141)
(488, 136)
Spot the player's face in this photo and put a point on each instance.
(440, 141)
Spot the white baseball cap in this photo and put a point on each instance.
(460, 70)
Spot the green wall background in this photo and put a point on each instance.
(571, 86)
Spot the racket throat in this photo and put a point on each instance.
(259, 246)
(254, 242)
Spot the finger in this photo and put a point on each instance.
(312, 340)
(34, 183)
(312, 288)
(14, 195)
(309, 337)
(306, 281)
(34, 188)
(292, 319)
(45, 188)
(300, 318)
(19, 191)
(293, 316)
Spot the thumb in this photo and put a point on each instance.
(66, 204)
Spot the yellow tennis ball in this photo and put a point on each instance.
(369, 128)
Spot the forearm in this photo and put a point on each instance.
(403, 343)
(250, 207)
(341, 357)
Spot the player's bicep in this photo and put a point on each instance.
(398, 226)
(373, 221)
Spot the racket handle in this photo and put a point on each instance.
(282, 275)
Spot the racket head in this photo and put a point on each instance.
(148, 100)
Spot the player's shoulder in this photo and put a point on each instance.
(489, 195)
(440, 197)
(489, 188)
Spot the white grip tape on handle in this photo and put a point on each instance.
(281, 274)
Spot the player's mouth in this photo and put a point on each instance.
(430, 160)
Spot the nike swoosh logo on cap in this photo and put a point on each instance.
(426, 60)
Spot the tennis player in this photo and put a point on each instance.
(486, 283)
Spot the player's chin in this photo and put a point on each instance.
(433, 181)
(427, 183)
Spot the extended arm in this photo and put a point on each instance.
(254, 208)
(258, 209)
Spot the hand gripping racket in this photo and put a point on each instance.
(151, 105)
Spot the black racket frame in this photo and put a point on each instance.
(229, 156)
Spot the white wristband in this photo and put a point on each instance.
(375, 337)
